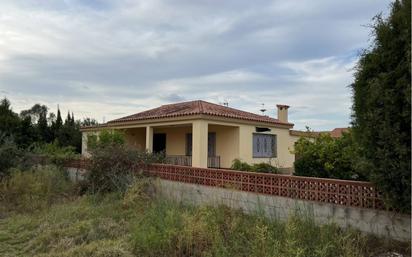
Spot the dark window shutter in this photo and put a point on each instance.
(264, 146)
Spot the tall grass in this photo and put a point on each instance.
(137, 223)
(34, 189)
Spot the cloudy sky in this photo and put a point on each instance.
(107, 59)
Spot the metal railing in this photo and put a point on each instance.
(186, 160)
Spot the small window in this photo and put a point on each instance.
(264, 146)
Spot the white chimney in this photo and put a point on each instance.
(283, 112)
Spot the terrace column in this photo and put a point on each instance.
(199, 143)
(149, 139)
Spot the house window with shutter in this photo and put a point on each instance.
(264, 146)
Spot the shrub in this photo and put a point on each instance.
(112, 168)
(10, 155)
(265, 168)
(105, 138)
(53, 152)
(327, 157)
(115, 167)
(257, 167)
(27, 191)
(239, 165)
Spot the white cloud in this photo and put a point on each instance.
(104, 58)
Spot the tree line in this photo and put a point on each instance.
(38, 125)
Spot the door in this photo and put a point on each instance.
(159, 142)
(211, 144)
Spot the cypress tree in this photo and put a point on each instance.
(382, 106)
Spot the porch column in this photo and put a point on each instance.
(149, 139)
(199, 143)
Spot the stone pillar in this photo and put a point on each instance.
(149, 139)
(199, 143)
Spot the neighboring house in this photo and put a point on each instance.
(335, 133)
(204, 134)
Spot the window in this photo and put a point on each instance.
(264, 146)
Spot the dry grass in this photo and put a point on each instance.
(135, 224)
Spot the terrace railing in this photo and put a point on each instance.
(186, 160)
(183, 160)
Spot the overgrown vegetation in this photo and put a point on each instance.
(34, 189)
(327, 157)
(382, 106)
(263, 167)
(139, 223)
(113, 164)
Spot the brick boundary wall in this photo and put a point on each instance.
(334, 191)
(340, 192)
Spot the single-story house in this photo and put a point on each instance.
(203, 134)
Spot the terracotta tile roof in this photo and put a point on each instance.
(301, 133)
(196, 108)
(337, 132)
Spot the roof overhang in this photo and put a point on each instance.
(179, 120)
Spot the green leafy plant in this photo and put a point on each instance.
(54, 152)
(263, 167)
(327, 157)
(105, 138)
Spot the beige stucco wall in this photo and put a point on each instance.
(284, 157)
(175, 139)
(227, 143)
(234, 139)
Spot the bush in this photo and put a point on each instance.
(105, 138)
(114, 165)
(257, 167)
(10, 155)
(54, 153)
(27, 191)
(112, 168)
(265, 168)
(327, 157)
(239, 165)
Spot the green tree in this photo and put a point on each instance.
(43, 129)
(9, 121)
(25, 134)
(35, 112)
(89, 122)
(382, 106)
(327, 157)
